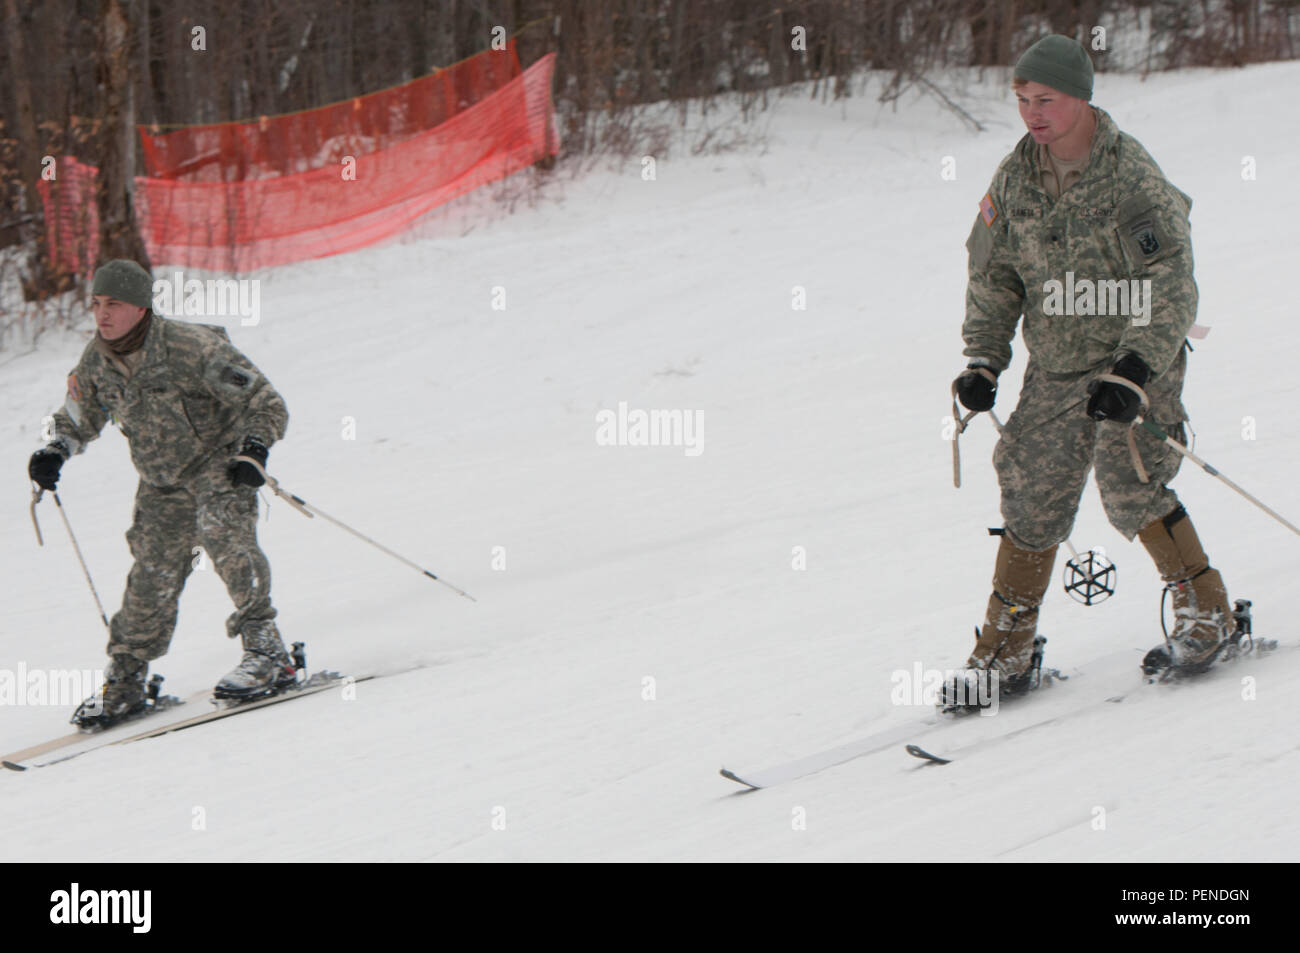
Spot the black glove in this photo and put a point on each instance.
(245, 474)
(45, 464)
(974, 390)
(1116, 402)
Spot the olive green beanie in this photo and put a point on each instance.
(124, 280)
(1059, 62)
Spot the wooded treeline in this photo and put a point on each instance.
(80, 73)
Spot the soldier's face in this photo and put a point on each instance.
(114, 318)
(1049, 114)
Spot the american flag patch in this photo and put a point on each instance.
(74, 391)
(988, 211)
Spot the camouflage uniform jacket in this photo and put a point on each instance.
(1121, 221)
(192, 395)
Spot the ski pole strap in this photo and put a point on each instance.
(961, 423)
(37, 493)
(295, 501)
(1125, 382)
(1144, 405)
(1134, 455)
(1161, 435)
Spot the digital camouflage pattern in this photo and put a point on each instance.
(1049, 444)
(1121, 220)
(170, 523)
(185, 410)
(192, 395)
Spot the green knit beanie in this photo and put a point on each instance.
(1059, 62)
(124, 280)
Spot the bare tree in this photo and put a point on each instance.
(26, 218)
(107, 64)
(118, 235)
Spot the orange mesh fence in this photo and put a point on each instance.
(71, 216)
(241, 226)
(314, 138)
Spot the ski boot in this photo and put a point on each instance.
(1163, 661)
(1007, 644)
(125, 694)
(1196, 642)
(974, 689)
(265, 669)
(1203, 622)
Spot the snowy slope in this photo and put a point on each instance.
(822, 429)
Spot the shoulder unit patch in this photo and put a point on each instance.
(1143, 232)
(234, 377)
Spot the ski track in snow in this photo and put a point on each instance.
(822, 429)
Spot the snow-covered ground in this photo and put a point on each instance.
(640, 620)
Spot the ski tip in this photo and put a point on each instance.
(918, 752)
(732, 776)
(13, 767)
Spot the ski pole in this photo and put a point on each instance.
(37, 493)
(302, 506)
(1159, 434)
(1141, 421)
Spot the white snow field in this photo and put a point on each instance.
(649, 624)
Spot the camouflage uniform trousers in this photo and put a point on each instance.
(1050, 443)
(206, 510)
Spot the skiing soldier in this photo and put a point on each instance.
(188, 402)
(1083, 235)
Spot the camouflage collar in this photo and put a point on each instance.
(132, 340)
(150, 352)
(1105, 138)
